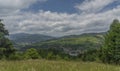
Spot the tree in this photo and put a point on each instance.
(90, 55)
(6, 47)
(31, 54)
(111, 48)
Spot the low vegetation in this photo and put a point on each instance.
(45, 65)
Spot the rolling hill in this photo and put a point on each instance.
(20, 40)
(73, 42)
(24, 38)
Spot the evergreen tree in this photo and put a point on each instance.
(6, 47)
(111, 48)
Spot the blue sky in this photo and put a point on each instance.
(63, 6)
(55, 6)
(59, 17)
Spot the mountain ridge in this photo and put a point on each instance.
(28, 38)
(74, 42)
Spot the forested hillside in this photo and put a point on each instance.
(74, 42)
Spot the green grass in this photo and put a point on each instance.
(45, 65)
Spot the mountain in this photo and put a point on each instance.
(24, 38)
(72, 42)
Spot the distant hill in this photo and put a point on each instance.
(24, 38)
(72, 42)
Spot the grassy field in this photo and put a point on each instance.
(45, 65)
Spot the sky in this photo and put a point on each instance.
(59, 17)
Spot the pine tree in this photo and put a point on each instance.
(6, 47)
(111, 48)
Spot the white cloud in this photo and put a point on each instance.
(59, 24)
(10, 6)
(89, 6)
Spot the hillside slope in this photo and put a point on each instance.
(24, 38)
(74, 42)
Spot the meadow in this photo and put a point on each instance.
(49, 65)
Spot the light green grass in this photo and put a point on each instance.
(45, 65)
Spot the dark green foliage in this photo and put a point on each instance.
(111, 48)
(16, 56)
(3, 31)
(90, 55)
(53, 54)
(6, 47)
(50, 53)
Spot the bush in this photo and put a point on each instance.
(31, 54)
(16, 56)
(50, 55)
(90, 55)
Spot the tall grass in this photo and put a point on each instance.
(45, 65)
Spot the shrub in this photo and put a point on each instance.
(31, 54)
(16, 56)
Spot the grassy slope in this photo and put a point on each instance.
(76, 42)
(45, 65)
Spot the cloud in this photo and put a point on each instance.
(93, 6)
(44, 22)
(60, 24)
(10, 6)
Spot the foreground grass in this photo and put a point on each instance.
(45, 65)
